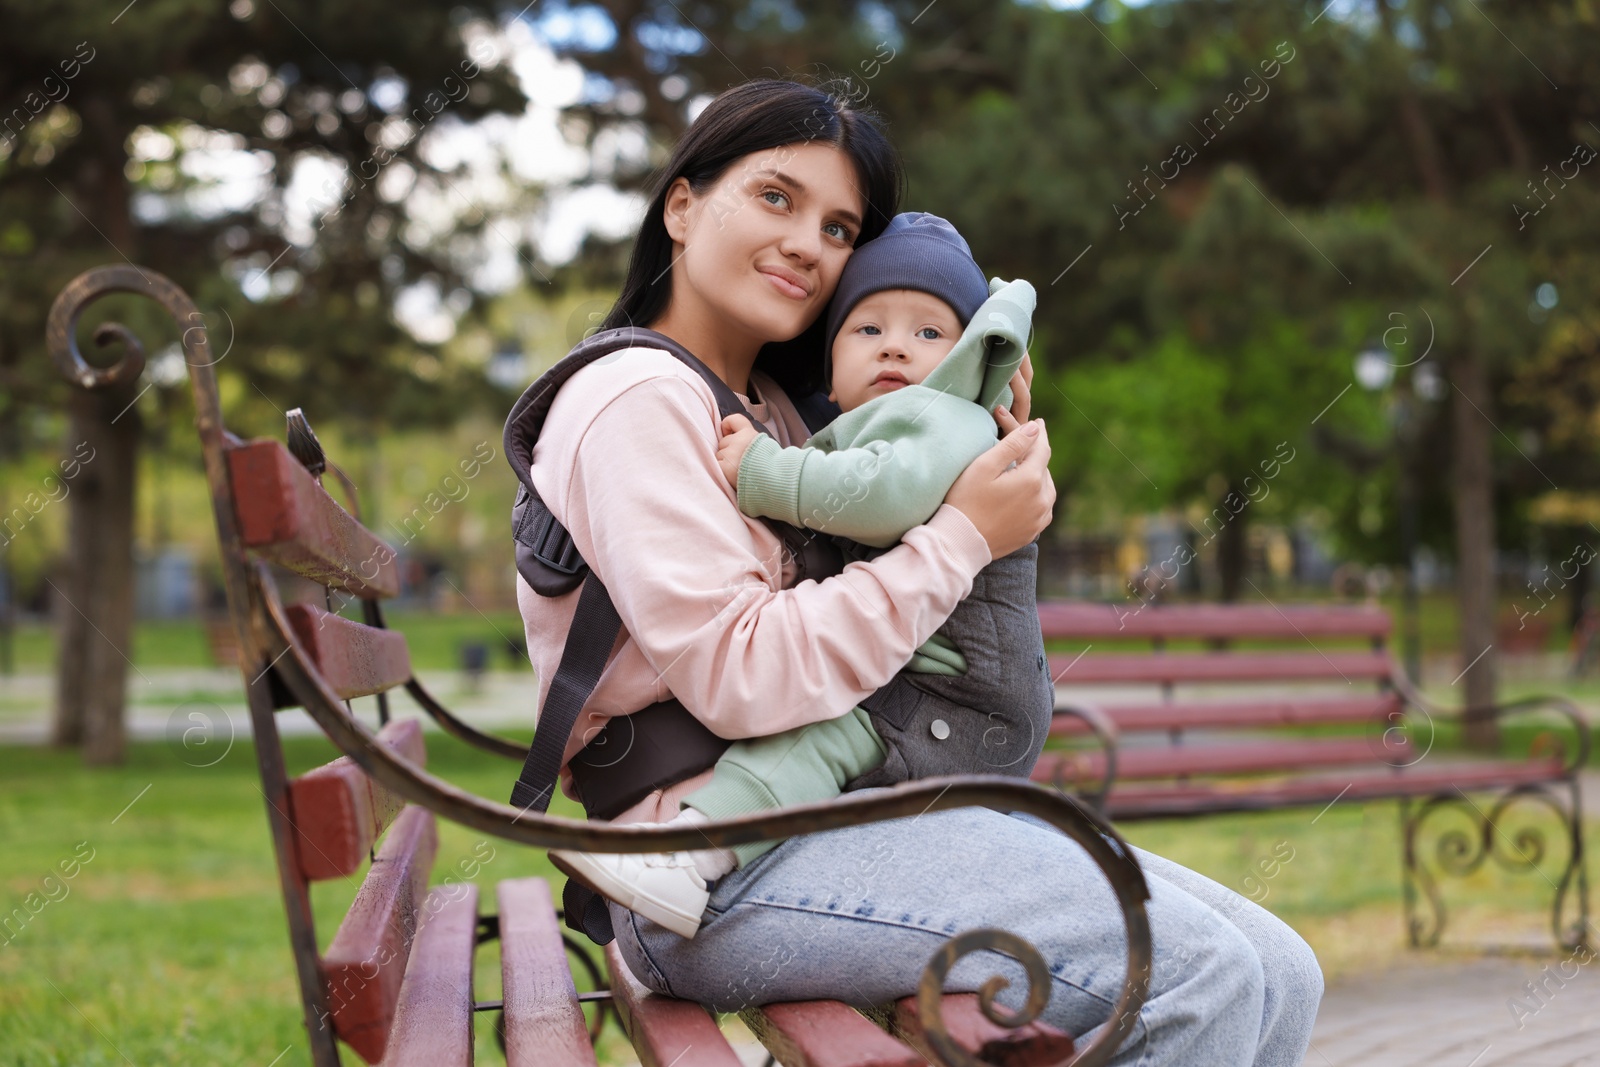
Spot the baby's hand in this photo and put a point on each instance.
(737, 434)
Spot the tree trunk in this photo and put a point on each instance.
(1578, 594)
(1475, 540)
(1232, 554)
(96, 622)
(1474, 476)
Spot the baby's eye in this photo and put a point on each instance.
(869, 329)
(929, 333)
(773, 192)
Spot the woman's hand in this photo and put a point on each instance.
(737, 434)
(1021, 393)
(1009, 507)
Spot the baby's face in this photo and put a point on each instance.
(891, 339)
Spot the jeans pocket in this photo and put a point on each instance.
(730, 888)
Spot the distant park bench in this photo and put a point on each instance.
(395, 983)
(1305, 721)
(222, 640)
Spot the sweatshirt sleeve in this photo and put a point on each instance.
(695, 587)
(910, 455)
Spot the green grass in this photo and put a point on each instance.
(170, 944)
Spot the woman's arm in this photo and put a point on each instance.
(697, 588)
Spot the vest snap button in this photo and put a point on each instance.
(940, 729)
(1041, 662)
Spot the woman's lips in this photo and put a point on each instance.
(785, 286)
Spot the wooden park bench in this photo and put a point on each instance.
(395, 981)
(1299, 706)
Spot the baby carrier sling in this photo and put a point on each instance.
(993, 719)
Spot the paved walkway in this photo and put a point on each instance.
(1463, 1012)
(170, 703)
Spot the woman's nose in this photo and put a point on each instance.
(802, 243)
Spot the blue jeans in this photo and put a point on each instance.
(855, 914)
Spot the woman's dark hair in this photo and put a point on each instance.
(757, 115)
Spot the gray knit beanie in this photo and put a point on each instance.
(915, 251)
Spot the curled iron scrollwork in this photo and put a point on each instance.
(1460, 852)
(930, 991)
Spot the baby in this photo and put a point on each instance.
(919, 353)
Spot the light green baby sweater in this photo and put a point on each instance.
(879, 469)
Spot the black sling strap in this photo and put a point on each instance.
(595, 625)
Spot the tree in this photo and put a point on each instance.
(1402, 143)
(114, 125)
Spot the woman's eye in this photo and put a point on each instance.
(843, 233)
(774, 192)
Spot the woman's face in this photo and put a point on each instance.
(761, 251)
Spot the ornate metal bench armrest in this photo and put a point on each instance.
(1083, 825)
(1579, 720)
(1106, 731)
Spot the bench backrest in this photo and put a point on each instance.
(332, 817)
(328, 822)
(1230, 667)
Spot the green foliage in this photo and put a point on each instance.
(109, 122)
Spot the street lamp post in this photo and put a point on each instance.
(1375, 373)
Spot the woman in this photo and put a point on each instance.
(739, 252)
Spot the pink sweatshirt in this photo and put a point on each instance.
(627, 461)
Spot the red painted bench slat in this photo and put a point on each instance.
(665, 1032)
(356, 660)
(1204, 798)
(366, 962)
(1089, 622)
(433, 1020)
(1127, 668)
(1245, 757)
(1033, 1045)
(338, 812)
(1288, 712)
(544, 1024)
(825, 1033)
(287, 517)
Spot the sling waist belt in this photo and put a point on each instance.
(634, 755)
(631, 757)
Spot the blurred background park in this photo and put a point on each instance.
(1305, 333)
